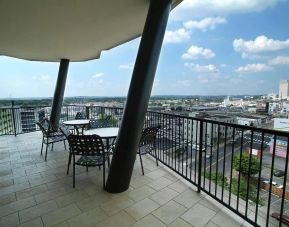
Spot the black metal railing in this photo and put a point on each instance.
(243, 168)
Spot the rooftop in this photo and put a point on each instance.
(38, 193)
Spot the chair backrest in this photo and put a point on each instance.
(79, 116)
(99, 123)
(148, 135)
(44, 126)
(86, 145)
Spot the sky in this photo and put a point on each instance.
(211, 47)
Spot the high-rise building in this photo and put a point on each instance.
(284, 89)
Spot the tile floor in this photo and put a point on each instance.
(38, 193)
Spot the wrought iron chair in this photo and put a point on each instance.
(91, 150)
(77, 129)
(147, 143)
(99, 123)
(102, 123)
(49, 136)
(79, 116)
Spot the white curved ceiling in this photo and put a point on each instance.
(50, 30)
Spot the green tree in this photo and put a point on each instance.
(241, 187)
(218, 178)
(243, 164)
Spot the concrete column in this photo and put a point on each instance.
(138, 96)
(59, 93)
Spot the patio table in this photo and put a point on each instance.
(81, 123)
(105, 133)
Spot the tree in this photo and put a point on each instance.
(243, 164)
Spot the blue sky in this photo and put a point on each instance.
(218, 47)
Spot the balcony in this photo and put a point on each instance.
(38, 193)
(196, 183)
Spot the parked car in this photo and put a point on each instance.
(279, 173)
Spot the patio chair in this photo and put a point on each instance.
(49, 136)
(102, 123)
(147, 143)
(79, 116)
(76, 129)
(91, 150)
(99, 123)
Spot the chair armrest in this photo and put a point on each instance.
(64, 132)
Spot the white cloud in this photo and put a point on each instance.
(254, 68)
(100, 81)
(259, 45)
(195, 52)
(98, 75)
(205, 24)
(279, 60)
(197, 9)
(201, 68)
(185, 83)
(128, 66)
(42, 78)
(184, 34)
(177, 36)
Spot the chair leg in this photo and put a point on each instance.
(68, 165)
(141, 164)
(73, 171)
(103, 177)
(42, 145)
(108, 160)
(156, 157)
(46, 151)
(64, 144)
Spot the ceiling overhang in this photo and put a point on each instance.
(78, 30)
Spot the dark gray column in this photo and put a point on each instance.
(138, 96)
(59, 93)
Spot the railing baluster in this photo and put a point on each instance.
(271, 179)
(211, 159)
(200, 156)
(284, 183)
(240, 163)
(249, 172)
(205, 159)
(217, 160)
(232, 159)
(259, 177)
(224, 163)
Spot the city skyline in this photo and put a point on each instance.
(210, 48)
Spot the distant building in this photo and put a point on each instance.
(281, 124)
(284, 89)
(272, 96)
(280, 147)
(204, 108)
(274, 107)
(226, 102)
(249, 121)
(211, 131)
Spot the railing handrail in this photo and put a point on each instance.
(242, 127)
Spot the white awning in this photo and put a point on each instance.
(50, 30)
